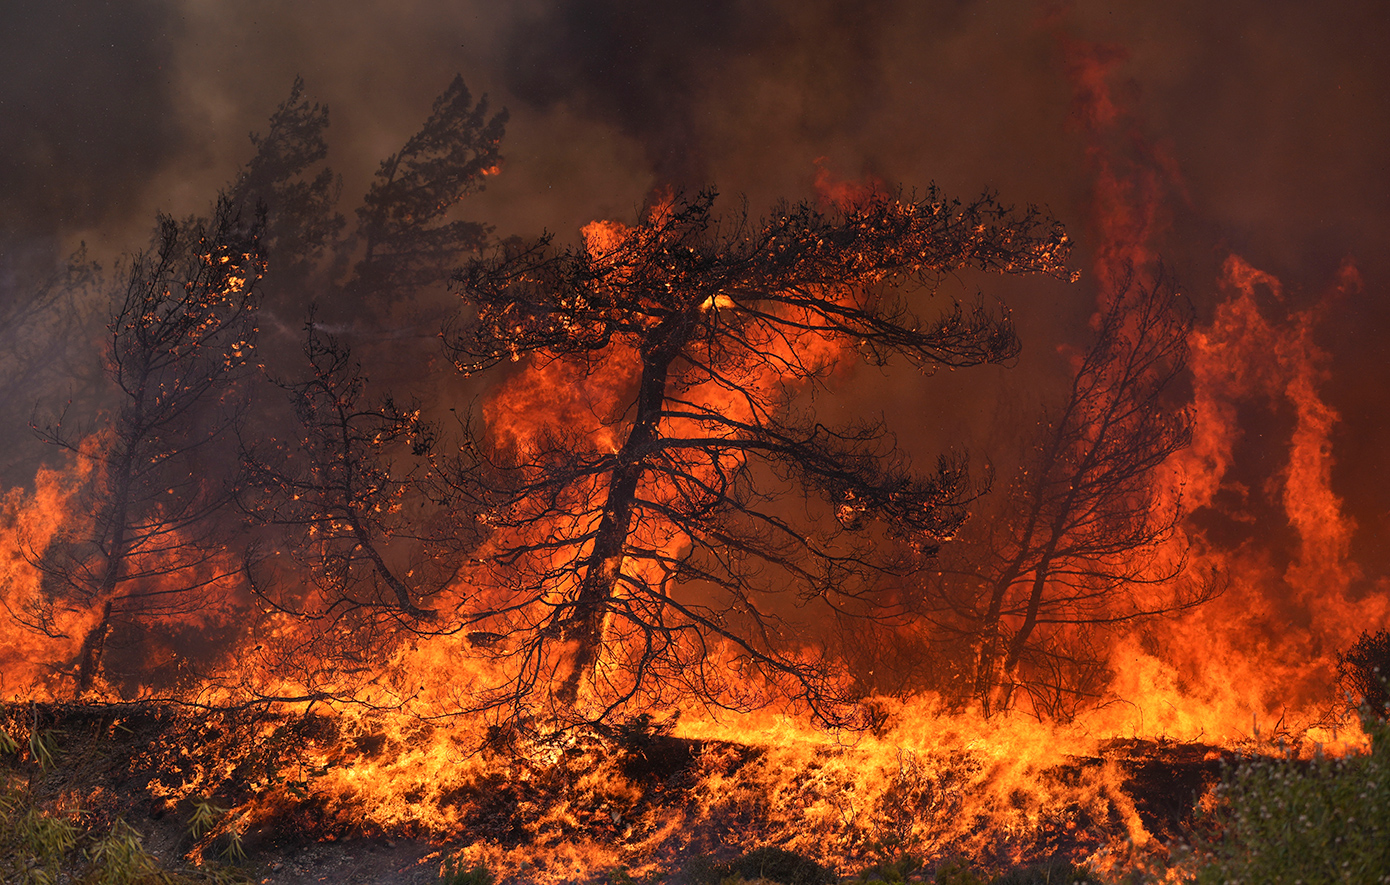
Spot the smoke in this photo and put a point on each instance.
(1258, 128)
(664, 74)
(87, 99)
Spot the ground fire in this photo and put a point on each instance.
(609, 555)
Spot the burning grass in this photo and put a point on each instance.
(643, 800)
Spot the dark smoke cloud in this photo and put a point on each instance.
(661, 72)
(87, 110)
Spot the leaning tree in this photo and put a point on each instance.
(182, 330)
(655, 544)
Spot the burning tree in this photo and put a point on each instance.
(180, 332)
(1085, 536)
(350, 541)
(648, 551)
(355, 523)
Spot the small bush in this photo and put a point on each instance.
(781, 865)
(455, 874)
(957, 872)
(120, 858)
(1319, 821)
(904, 867)
(1364, 670)
(40, 848)
(767, 864)
(33, 845)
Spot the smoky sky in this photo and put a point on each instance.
(651, 69)
(88, 109)
(1269, 118)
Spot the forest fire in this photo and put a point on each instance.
(596, 559)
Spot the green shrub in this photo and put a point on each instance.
(957, 872)
(1319, 821)
(454, 873)
(767, 864)
(781, 865)
(33, 845)
(39, 848)
(120, 858)
(904, 867)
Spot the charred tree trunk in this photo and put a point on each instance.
(988, 676)
(1003, 692)
(118, 546)
(603, 568)
(93, 645)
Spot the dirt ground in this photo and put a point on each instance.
(353, 862)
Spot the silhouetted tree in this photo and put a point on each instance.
(357, 524)
(646, 553)
(181, 329)
(410, 245)
(49, 317)
(1082, 539)
(1364, 671)
(298, 195)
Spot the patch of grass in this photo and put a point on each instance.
(454, 873)
(1319, 821)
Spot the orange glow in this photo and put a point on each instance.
(29, 523)
(842, 193)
